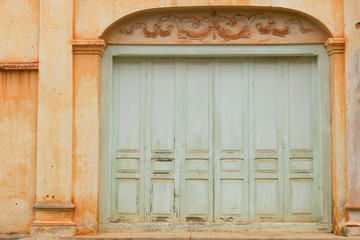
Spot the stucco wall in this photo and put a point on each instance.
(19, 42)
(352, 35)
(19, 23)
(18, 114)
(92, 17)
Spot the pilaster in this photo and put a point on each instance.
(87, 68)
(336, 50)
(54, 207)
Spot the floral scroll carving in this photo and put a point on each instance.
(227, 28)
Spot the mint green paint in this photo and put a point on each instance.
(244, 139)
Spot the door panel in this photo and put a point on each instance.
(162, 151)
(231, 140)
(197, 187)
(266, 191)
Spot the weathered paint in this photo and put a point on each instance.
(221, 140)
(19, 43)
(87, 55)
(55, 117)
(90, 22)
(19, 32)
(18, 125)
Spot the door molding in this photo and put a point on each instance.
(323, 75)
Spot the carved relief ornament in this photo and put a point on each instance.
(213, 26)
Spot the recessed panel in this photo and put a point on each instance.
(301, 165)
(163, 166)
(197, 166)
(231, 165)
(266, 198)
(301, 196)
(162, 106)
(231, 104)
(129, 106)
(127, 196)
(197, 107)
(265, 105)
(300, 100)
(197, 197)
(266, 165)
(128, 165)
(162, 197)
(232, 197)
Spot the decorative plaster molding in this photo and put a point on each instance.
(19, 66)
(88, 47)
(53, 206)
(227, 28)
(335, 46)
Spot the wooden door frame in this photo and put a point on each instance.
(323, 74)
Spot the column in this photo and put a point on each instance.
(87, 68)
(336, 50)
(55, 121)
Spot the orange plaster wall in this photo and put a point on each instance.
(19, 21)
(92, 17)
(352, 17)
(18, 121)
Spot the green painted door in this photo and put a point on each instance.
(215, 140)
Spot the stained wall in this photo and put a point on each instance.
(19, 42)
(18, 125)
(352, 36)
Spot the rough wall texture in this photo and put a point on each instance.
(92, 17)
(19, 22)
(18, 114)
(19, 42)
(352, 34)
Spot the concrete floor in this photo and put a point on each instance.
(190, 236)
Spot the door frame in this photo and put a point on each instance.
(323, 75)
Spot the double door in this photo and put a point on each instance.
(215, 140)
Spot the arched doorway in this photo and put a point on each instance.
(218, 132)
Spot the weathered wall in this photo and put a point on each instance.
(352, 34)
(18, 114)
(19, 42)
(92, 17)
(19, 23)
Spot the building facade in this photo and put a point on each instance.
(131, 116)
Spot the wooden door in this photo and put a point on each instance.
(215, 139)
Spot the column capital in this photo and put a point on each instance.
(335, 45)
(88, 46)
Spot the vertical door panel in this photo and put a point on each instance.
(162, 172)
(197, 203)
(301, 152)
(300, 98)
(230, 140)
(197, 107)
(265, 105)
(129, 105)
(266, 191)
(231, 106)
(127, 188)
(163, 107)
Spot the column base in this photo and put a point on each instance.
(353, 225)
(352, 228)
(52, 229)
